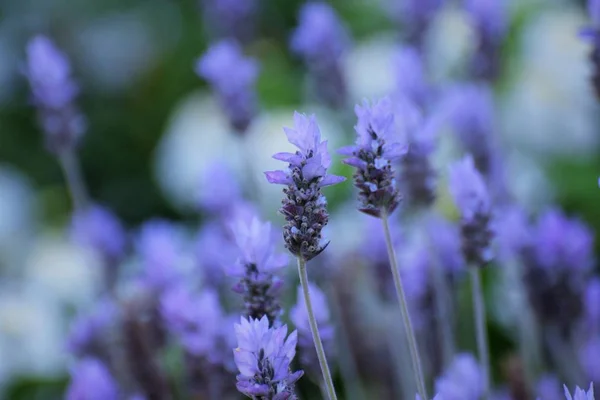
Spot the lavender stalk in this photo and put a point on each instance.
(315, 330)
(75, 183)
(410, 334)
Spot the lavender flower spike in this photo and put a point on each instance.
(299, 316)
(91, 380)
(377, 146)
(305, 207)
(256, 266)
(580, 394)
(54, 91)
(232, 76)
(591, 34)
(263, 357)
(462, 381)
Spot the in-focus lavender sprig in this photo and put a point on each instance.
(377, 145)
(305, 210)
(321, 39)
(263, 357)
(232, 76)
(304, 207)
(257, 266)
(580, 394)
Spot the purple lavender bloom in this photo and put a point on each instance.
(592, 303)
(263, 357)
(232, 76)
(580, 394)
(411, 81)
(437, 397)
(377, 146)
(321, 39)
(305, 207)
(256, 267)
(195, 319)
(91, 380)
(98, 228)
(472, 199)
(416, 16)
(589, 357)
(224, 192)
(214, 250)
(49, 74)
(513, 232)
(463, 380)
(231, 18)
(87, 332)
(548, 388)
(158, 247)
(299, 316)
(446, 241)
(471, 111)
(489, 20)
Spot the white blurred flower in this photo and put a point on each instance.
(550, 108)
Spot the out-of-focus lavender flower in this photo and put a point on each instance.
(592, 304)
(263, 357)
(437, 397)
(231, 18)
(489, 20)
(213, 251)
(158, 248)
(415, 16)
(513, 232)
(195, 319)
(49, 73)
(548, 388)
(591, 34)
(471, 113)
(556, 268)
(462, 381)
(417, 265)
(91, 380)
(409, 73)
(256, 267)
(445, 239)
(232, 76)
(321, 39)
(98, 228)
(589, 357)
(220, 190)
(580, 394)
(377, 145)
(304, 207)
(299, 316)
(472, 199)
(89, 330)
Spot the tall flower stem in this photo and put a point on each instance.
(480, 328)
(315, 330)
(72, 171)
(410, 334)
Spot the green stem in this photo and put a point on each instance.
(480, 328)
(315, 330)
(72, 171)
(410, 334)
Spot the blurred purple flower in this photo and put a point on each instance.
(89, 329)
(98, 228)
(214, 250)
(256, 267)
(263, 357)
(592, 304)
(159, 251)
(589, 357)
(415, 273)
(548, 388)
(49, 74)
(591, 34)
(233, 77)
(562, 242)
(220, 190)
(373, 246)
(91, 380)
(580, 394)
(411, 80)
(472, 199)
(321, 39)
(305, 207)
(377, 145)
(416, 16)
(513, 232)
(231, 18)
(299, 316)
(463, 380)
(195, 319)
(446, 242)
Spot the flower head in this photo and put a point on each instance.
(256, 266)
(158, 247)
(580, 394)
(377, 146)
(416, 16)
(98, 228)
(232, 76)
(231, 18)
(91, 380)
(49, 73)
(410, 76)
(263, 357)
(304, 208)
(592, 302)
(220, 191)
(88, 330)
(463, 380)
